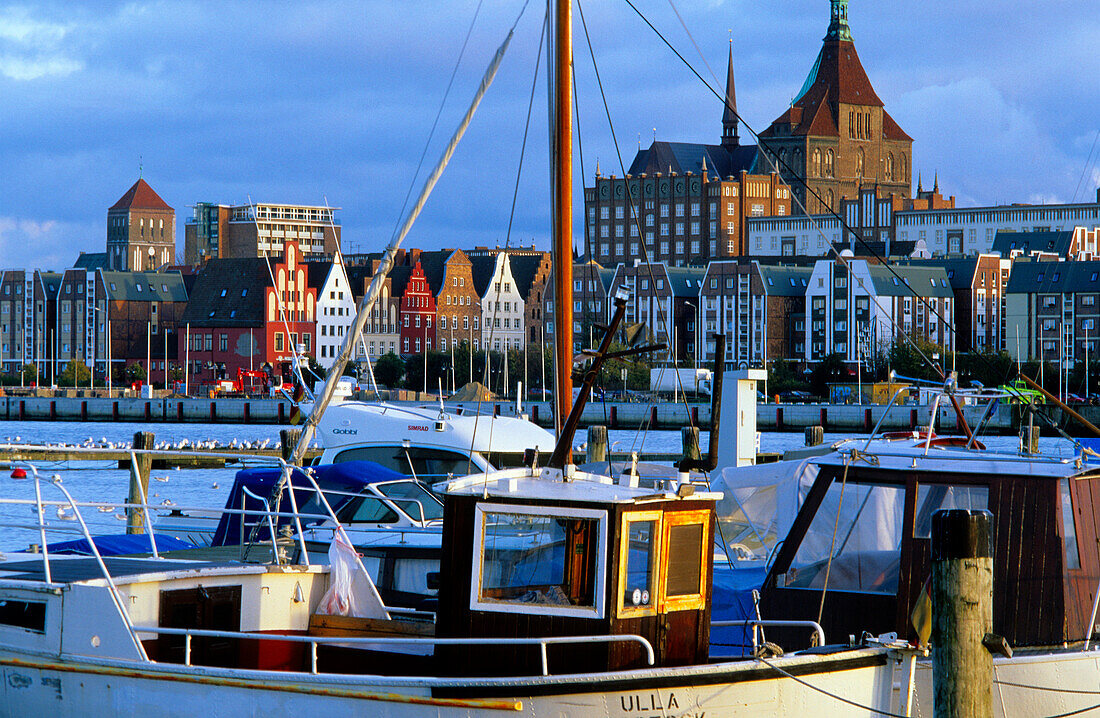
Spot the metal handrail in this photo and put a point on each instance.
(818, 630)
(116, 597)
(146, 516)
(882, 418)
(314, 641)
(267, 516)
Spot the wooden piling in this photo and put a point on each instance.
(815, 435)
(139, 482)
(288, 439)
(689, 435)
(597, 444)
(962, 613)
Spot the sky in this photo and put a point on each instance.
(334, 102)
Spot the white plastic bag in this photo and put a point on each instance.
(351, 591)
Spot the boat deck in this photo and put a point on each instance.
(65, 569)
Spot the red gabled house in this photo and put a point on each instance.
(417, 318)
(238, 318)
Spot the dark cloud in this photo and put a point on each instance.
(299, 102)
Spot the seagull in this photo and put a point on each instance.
(65, 515)
(168, 502)
(215, 485)
(120, 517)
(106, 509)
(160, 478)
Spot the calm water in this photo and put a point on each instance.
(208, 488)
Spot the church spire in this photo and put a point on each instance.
(838, 21)
(729, 115)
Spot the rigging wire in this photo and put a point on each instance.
(663, 325)
(508, 239)
(772, 158)
(1085, 169)
(435, 123)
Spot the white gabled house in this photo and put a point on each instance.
(335, 307)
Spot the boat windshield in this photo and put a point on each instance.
(860, 527)
(430, 465)
(413, 499)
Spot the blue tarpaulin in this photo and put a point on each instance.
(120, 545)
(339, 482)
(731, 600)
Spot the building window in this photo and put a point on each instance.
(223, 343)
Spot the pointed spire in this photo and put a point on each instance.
(919, 187)
(936, 184)
(729, 114)
(597, 166)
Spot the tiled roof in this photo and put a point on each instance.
(684, 157)
(145, 286)
(317, 272)
(524, 269)
(785, 281)
(229, 293)
(960, 270)
(685, 281)
(140, 196)
(482, 270)
(51, 282)
(836, 77)
(1031, 277)
(1027, 242)
(91, 260)
(922, 281)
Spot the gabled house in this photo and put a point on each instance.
(502, 310)
(335, 306)
(418, 313)
(238, 318)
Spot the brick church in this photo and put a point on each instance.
(837, 135)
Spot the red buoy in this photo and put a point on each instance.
(18, 473)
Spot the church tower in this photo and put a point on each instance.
(729, 115)
(837, 135)
(141, 231)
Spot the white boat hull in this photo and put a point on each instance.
(70, 687)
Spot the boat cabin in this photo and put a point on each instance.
(529, 555)
(859, 549)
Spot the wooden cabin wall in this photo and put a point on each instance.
(1028, 576)
(455, 619)
(1080, 584)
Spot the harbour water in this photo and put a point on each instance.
(208, 488)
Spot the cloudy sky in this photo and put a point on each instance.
(306, 102)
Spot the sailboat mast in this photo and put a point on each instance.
(562, 248)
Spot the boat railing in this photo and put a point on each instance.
(819, 632)
(116, 596)
(314, 641)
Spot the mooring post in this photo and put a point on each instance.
(597, 444)
(815, 435)
(962, 613)
(139, 482)
(288, 439)
(689, 435)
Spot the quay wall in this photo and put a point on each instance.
(615, 415)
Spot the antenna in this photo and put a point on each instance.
(141, 166)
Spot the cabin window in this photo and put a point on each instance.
(638, 561)
(932, 498)
(1069, 529)
(547, 561)
(30, 615)
(685, 539)
(855, 537)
